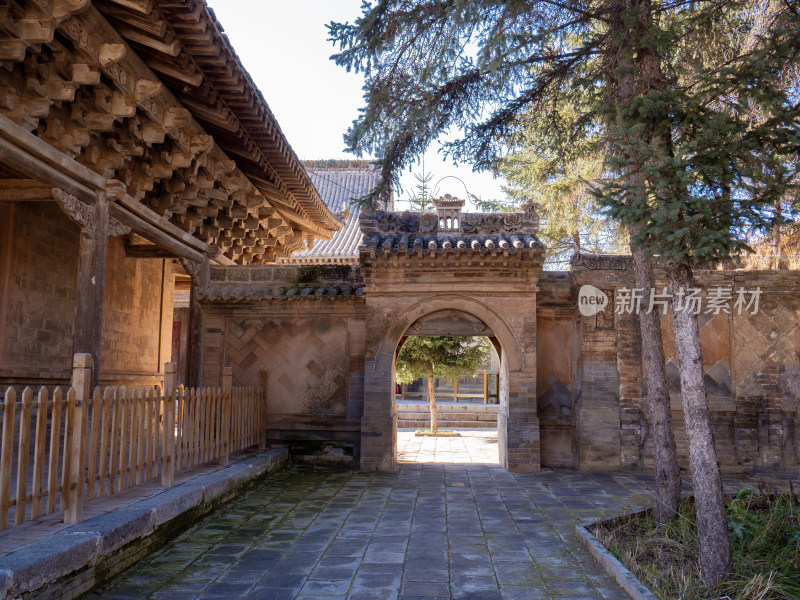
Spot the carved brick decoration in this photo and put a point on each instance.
(470, 223)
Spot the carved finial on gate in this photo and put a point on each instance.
(448, 210)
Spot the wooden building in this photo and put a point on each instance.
(134, 150)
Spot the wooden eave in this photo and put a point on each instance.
(182, 41)
(82, 117)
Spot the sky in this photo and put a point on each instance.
(283, 45)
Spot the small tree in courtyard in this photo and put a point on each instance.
(428, 357)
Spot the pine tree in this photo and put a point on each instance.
(549, 165)
(700, 173)
(445, 357)
(421, 200)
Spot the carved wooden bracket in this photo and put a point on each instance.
(117, 228)
(80, 212)
(82, 215)
(191, 267)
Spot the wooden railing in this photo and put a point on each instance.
(486, 394)
(61, 448)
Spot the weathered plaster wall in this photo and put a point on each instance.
(137, 318)
(556, 369)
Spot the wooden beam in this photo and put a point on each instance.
(134, 35)
(144, 7)
(34, 157)
(186, 76)
(25, 190)
(147, 251)
(154, 234)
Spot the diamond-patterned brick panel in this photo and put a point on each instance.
(770, 337)
(716, 347)
(305, 362)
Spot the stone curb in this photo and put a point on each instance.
(627, 580)
(76, 559)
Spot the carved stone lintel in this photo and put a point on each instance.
(602, 262)
(77, 210)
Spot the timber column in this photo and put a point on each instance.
(93, 223)
(200, 273)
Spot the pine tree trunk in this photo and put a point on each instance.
(712, 525)
(776, 237)
(657, 405)
(432, 403)
(658, 412)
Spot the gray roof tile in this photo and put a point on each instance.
(337, 187)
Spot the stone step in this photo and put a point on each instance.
(417, 416)
(448, 408)
(447, 424)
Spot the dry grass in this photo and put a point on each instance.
(440, 433)
(765, 544)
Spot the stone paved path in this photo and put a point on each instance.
(423, 531)
(476, 446)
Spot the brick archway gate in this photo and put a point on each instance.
(486, 266)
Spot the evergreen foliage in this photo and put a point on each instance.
(443, 357)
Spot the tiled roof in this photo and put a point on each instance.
(314, 291)
(337, 183)
(468, 233)
(456, 243)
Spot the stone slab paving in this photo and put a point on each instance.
(424, 531)
(476, 446)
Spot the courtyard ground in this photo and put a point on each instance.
(426, 530)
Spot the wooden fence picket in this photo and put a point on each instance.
(66, 451)
(124, 426)
(155, 432)
(105, 435)
(52, 465)
(40, 440)
(115, 437)
(7, 455)
(23, 455)
(94, 430)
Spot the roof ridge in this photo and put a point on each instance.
(336, 164)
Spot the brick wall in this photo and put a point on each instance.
(751, 370)
(311, 349)
(137, 318)
(38, 296)
(38, 273)
(556, 370)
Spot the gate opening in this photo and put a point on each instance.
(468, 406)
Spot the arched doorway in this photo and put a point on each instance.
(469, 416)
(451, 314)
